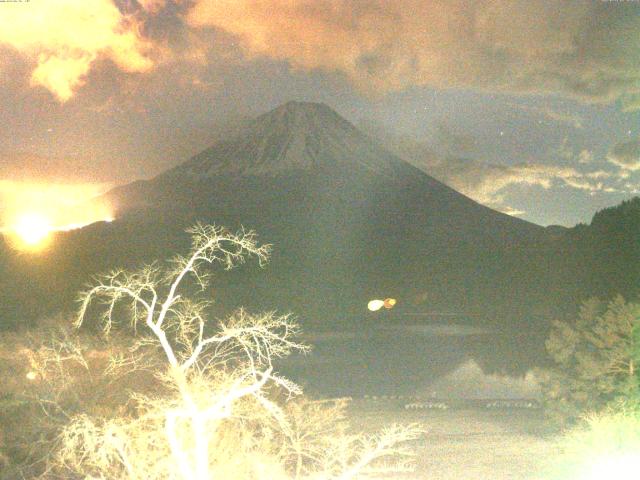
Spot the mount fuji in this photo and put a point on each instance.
(349, 222)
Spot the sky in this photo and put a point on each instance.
(529, 107)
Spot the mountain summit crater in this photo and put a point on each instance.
(297, 136)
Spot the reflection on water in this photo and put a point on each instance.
(468, 381)
(407, 359)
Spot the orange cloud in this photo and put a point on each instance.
(64, 37)
(60, 75)
(152, 5)
(585, 50)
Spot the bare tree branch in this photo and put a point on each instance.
(220, 382)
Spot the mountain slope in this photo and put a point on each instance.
(296, 136)
(348, 221)
(312, 142)
(607, 251)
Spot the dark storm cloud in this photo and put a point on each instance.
(582, 49)
(453, 142)
(626, 155)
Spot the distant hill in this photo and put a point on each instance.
(609, 251)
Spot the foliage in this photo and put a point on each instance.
(596, 360)
(220, 409)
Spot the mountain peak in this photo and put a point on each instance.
(302, 111)
(296, 136)
(297, 105)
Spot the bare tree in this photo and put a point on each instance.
(219, 416)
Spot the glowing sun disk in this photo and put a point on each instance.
(32, 213)
(33, 228)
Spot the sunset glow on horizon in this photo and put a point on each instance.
(32, 229)
(32, 213)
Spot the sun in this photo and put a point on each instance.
(32, 229)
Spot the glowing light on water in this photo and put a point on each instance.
(375, 305)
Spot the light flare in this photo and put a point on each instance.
(375, 305)
(33, 229)
(32, 213)
(620, 466)
(389, 303)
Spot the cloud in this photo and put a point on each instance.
(152, 6)
(566, 118)
(60, 75)
(626, 155)
(565, 151)
(63, 38)
(632, 188)
(599, 174)
(487, 183)
(549, 113)
(514, 212)
(585, 156)
(585, 50)
(452, 142)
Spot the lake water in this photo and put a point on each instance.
(409, 360)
